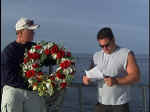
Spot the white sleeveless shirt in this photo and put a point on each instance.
(113, 65)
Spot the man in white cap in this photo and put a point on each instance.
(16, 96)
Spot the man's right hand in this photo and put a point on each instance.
(86, 80)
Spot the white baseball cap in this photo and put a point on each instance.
(24, 23)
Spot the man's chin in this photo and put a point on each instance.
(30, 40)
(107, 52)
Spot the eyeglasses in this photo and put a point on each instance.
(106, 45)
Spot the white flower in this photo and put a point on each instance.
(32, 50)
(66, 71)
(45, 47)
(58, 68)
(25, 54)
(25, 67)
(34, 88)
(32, 61)
(63, 59)
(48, 85)
(52, 74)
(41, 51)
(30, 81)
(54, 56)
(70, 70)
(24, 70)
(30, 67)
(50, 45)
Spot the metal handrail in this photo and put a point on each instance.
(81, 85)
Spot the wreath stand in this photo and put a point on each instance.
(54, 103)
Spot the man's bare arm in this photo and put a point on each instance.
(133, 72)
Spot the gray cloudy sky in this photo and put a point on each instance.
(75, 23)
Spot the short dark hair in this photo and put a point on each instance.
(105, 32)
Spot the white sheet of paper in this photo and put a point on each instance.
(94, 74)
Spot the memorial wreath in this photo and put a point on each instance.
(42, 54)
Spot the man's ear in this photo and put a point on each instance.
(19, 33)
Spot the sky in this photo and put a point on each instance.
(75, 23)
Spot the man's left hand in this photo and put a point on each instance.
(110, 81)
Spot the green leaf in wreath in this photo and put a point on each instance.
(43, 58)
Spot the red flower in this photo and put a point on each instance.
(39, 76)
(63, 76)
(40, 73)
(47, 52)
(35, 65)
(54, 49)
(60, 76)
(38, 47)
(62, 65)
(59, 55)
(29, 55)
(26, 60)
(65, 64)
(62, 53)
(63, 84)
(68, 54)
(33, 55)
(52, 77)
(36, 56)
(30, 73)
(35, 84)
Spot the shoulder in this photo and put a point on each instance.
(125, 50)
(129, 56)
(129, 52)
(9, 52)
(10, 47)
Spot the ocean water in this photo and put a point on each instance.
(89, 94)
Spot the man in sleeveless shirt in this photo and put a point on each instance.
(16, 96)
(118, 71)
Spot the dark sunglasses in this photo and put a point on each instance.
(106, 45)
